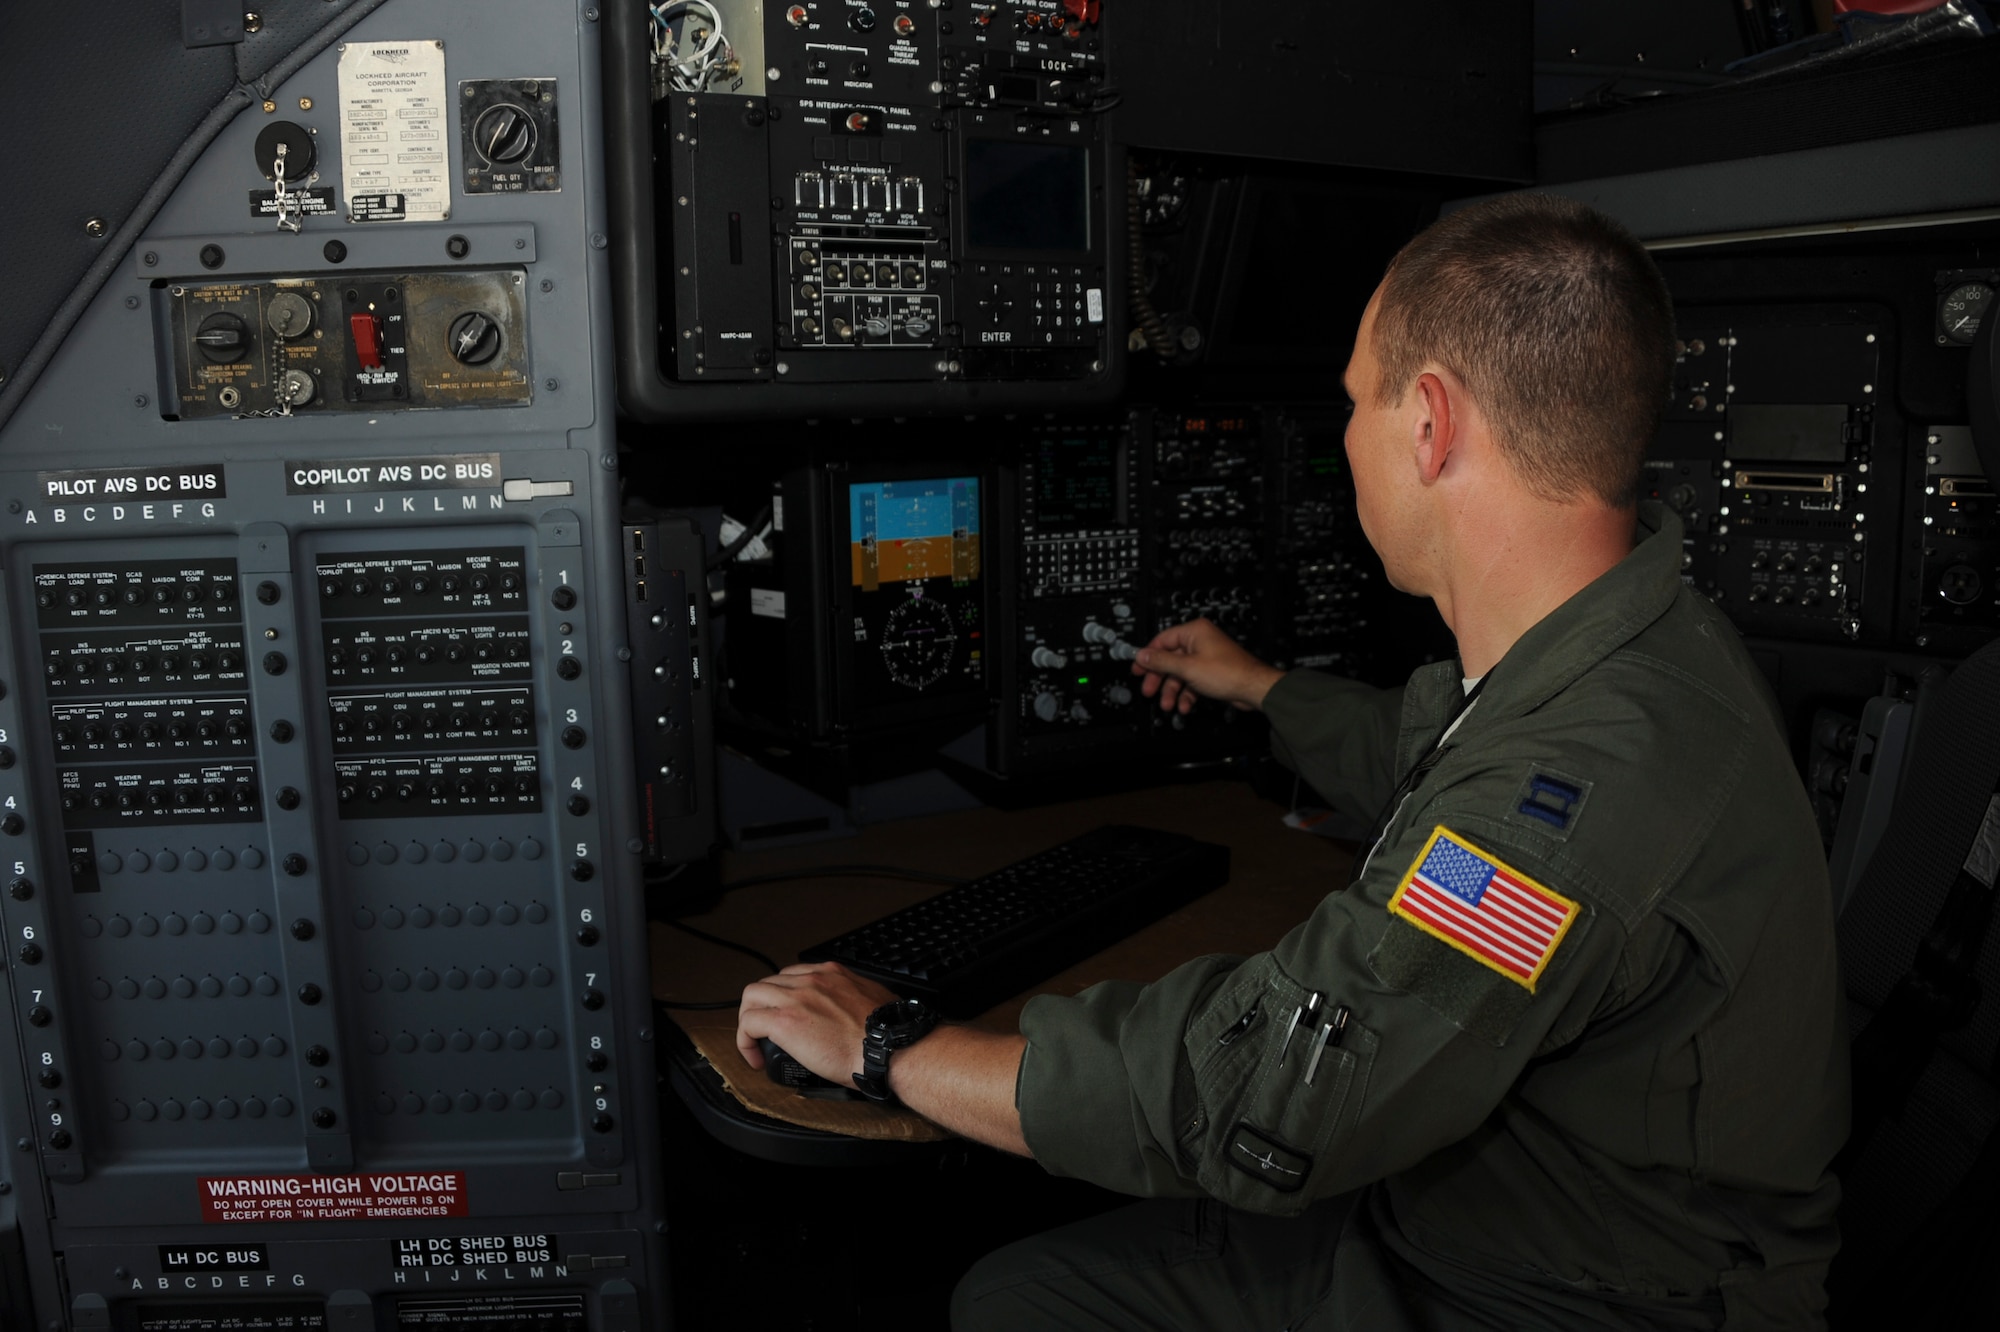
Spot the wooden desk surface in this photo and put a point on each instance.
(1277, 876)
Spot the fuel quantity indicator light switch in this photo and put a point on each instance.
(509, 136)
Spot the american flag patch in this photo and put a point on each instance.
(1487, 910)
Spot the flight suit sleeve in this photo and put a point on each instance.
(1340, 735)
(1190, 1085)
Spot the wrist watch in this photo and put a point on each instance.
(888, 1029)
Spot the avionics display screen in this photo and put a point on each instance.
(1076, 483)
(914, 565)
(904, 531)
(1027, 196)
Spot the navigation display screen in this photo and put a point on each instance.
(914, 563)
(1027, 196)
(1076, 483)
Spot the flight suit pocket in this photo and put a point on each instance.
(1261, 1133)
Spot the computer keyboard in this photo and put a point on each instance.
(974, 945)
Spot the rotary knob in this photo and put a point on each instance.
(222, 338)
(1048, 660)
(504, 133)
(1047, 706)
(474, 338)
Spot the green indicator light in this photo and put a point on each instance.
(1083, 679)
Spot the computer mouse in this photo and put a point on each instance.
(786, 1071)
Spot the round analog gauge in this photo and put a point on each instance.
(919, 642)
(1961, 309)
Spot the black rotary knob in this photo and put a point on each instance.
(474, 338)
(222, 338)
(504, 133)
(569, 668)
(862, 20)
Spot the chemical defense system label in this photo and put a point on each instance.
(268, 1198)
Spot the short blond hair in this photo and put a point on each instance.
(1560, 325)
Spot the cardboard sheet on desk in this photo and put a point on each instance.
(714, 1034)
(1277, 876)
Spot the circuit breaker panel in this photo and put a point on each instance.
(326, 999)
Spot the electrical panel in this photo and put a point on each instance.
(1768, 449)
(328, 1002)
(889, 193)
(1240, 513)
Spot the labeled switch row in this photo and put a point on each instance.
(103, 597)
(360, 586)
(194, 860)
(118, 731)
(70, 669)
(148, 925)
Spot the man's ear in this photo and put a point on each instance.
(1433, 431)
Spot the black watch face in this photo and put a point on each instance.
(900, 1018)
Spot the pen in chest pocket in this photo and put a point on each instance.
(1309, 1012)
(1329, 1036)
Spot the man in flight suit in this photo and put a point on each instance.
(1566, 1050)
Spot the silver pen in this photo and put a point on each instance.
(1330, 1034)
(1308, 1010)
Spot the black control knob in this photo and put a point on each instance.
(579, 805)
(602, 1122)
(294, 864)
(569, 668)
(582, 871)
(222, 338)
(474, 338)
(49, 1078)
(325, 1118)
(597, 1061)
(573, 737)
(593, 999)
(31, 953)
(269, 593)
(862, 20)
(288, 798)
(13, 824)
(40, 1016)
(21, 889)
(318, 1056)
(504, 133)
(587, 936)
(563, 598)
(237, 727)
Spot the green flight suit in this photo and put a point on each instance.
(1640, 1138)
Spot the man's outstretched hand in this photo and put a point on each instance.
(1197, 660)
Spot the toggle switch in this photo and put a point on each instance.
(367, 333)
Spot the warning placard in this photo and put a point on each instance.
(262, 1198)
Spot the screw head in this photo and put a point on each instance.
(295, 864)
(95, 228)
(457, 246)
(303, 929)
(282, 732)
(309, 993)
(324, 1118)
(334, 251)
(211, 256)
